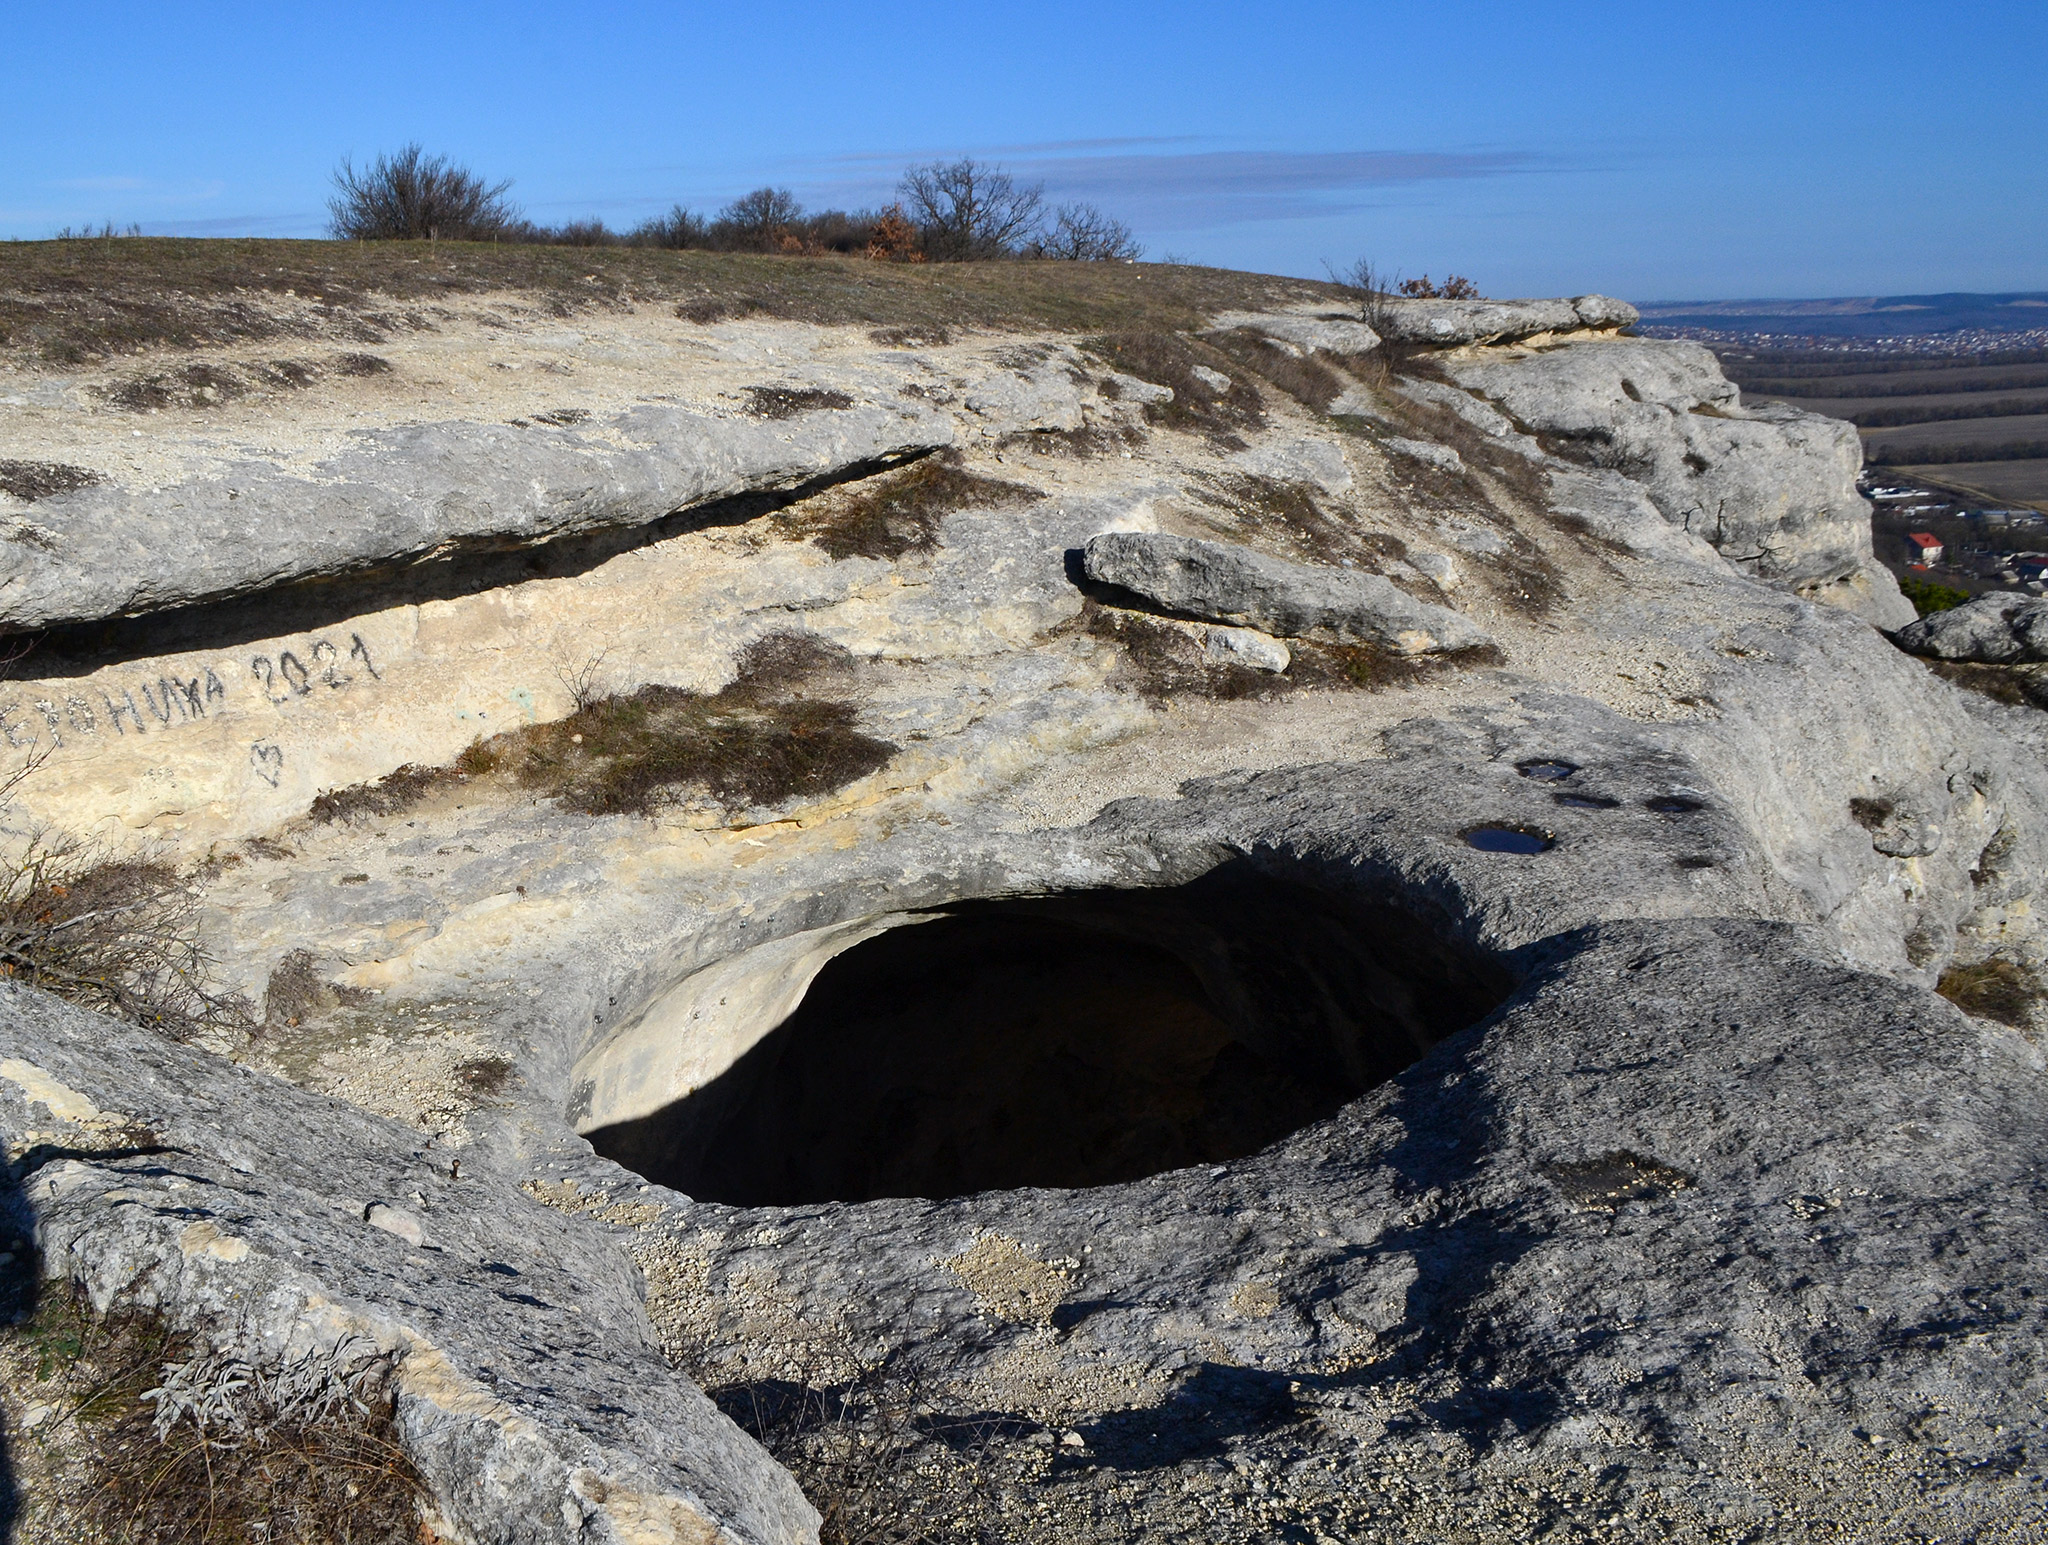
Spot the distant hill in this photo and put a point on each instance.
(1861, 316)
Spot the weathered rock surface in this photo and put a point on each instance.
(398, 497)
(1453, 322)
(246, 1210)
(1992, 629)
(1327, 334)
(1772, 489)
(1533, 1118)
(1223, 583)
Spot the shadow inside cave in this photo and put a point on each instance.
(1077, 1039)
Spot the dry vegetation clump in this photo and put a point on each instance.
(1301, 376)
(1372, 669)
(396, 792)
(899, 512)
(1292, 516)
(118, 936)
(210, 386)
(71, 302)
(2004, 990)
(1163, 661)
(1170, 359)
(2022, 686)
(789, 401)
(149, 1442)
(758, 741)
(297, 991)
(33, 480)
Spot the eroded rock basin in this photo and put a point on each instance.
(1065, 1041)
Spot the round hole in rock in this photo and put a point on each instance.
(1510, 839)
(1586, 801)
(1546, 769)
(1078, 1039)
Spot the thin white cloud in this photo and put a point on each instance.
(1196, 190)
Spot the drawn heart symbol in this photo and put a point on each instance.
(268, 760)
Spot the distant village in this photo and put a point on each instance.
(1931, 534)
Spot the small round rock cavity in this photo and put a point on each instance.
(1510, 839)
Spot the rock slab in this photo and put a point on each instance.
(1222, 582)
(1992, 630)
(399, 496)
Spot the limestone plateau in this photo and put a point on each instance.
(1176, 908)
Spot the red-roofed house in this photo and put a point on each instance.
(1927, 548)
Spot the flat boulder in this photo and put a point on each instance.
(1450, 323)
(1993, 630)
(394, 497)
(1222, 582)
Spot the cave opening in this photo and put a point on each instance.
(1076, 1039)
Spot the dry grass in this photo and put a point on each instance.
(297, 991)
(118, 936)
(2003, 990)
(899, 512)
(758, 741)
(2021, 686)
(788, 401)
(33, 480)
(202, 386)
(1301, 376)
(1169, 359)
(1163, 662)
(152, 1444)
(66, 302)
(393, 794)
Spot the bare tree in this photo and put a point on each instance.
(757, 221)
(1081, 233)
(677, 229)
(967, 209)
(412, 196)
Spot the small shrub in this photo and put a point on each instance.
(1927, 596)
(118, 936)
(894, 239)
(397, 791)
(1169, 359)
(789, 401)
(297, 991)
(900, 512)
(755, 742)
(2003, 990)
(1454, 288)
(169, 1445)
(412, 196)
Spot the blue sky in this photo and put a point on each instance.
(1652, 150)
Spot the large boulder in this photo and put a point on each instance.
(292, 1230)
(1447, 323)
(1993, 629)
(1772, 489)
(399, 496)
(1222, 582)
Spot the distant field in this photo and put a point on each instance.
(1975, 424)
(2000, 482)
